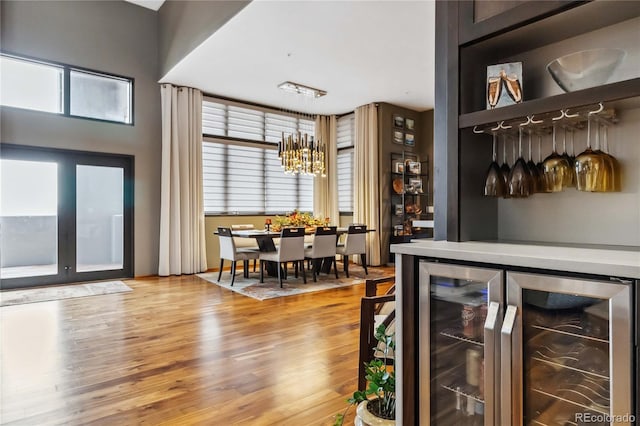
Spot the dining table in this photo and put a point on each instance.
(264, 239)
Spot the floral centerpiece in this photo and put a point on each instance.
(298, 219)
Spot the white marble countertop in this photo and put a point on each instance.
(623, 262)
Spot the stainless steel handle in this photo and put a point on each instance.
(490, 359)
(506, 388)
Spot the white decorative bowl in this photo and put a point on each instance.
(588, 68)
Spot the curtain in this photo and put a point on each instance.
(366, 186)
(325, 190)
(182, 236)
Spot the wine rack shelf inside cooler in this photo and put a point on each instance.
(594, 407)
(458, 335)
(568, 333)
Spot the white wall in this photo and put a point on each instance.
(110, 36)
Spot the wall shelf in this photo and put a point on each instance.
(607, 93)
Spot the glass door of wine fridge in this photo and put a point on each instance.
(567, 352)
(460, 313)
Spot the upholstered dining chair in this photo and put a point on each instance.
(245, 243)
(290, 249)
(323, 247)
(354, 243)
(229, 251)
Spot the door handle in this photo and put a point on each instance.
(506, 387)
(491, 357)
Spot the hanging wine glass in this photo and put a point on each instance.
(608, 175)
(590, 165)
(494, 183)
(543, 186)
(569, 179)
(533, 170)
(555, 166)
(505, 169)
(519, 178)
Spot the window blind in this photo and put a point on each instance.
(243, 177)
(345, 143)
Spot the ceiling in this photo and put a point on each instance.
(358, 51)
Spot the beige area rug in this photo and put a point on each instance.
(33, 295)
(270, 289)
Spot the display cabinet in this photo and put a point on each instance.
(474, 35)
(410, 210)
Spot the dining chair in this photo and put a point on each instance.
(290, 249)
(354, 243)
(229, 251)
(323, 247)
(375, 310)
(245, 243)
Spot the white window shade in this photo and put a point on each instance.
(345, 180)
(244, 123)
(245, 182)
(345, 143)
(281, 188)
(345, 131)
(213, 175)
(276, 124)
(245, 177)
(214, 118)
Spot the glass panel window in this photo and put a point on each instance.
(99, 218)
(28, 218)
(31, 85)
(100, 96)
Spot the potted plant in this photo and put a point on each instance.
(376, 403)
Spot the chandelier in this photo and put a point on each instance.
(301, 154)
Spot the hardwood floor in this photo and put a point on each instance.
(181, 351)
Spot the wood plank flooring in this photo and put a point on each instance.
(180, 351)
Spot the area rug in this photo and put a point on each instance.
(270, 289)
(33, 295)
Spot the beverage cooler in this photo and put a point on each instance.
(509, 348)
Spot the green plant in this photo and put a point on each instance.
(381, 378)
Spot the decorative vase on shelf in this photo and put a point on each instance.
(365, 418)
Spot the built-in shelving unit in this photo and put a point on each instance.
(410, 212)
(478, 34)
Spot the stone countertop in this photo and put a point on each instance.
(623, 262)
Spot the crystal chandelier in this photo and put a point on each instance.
(301, 154)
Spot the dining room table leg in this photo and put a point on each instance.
(266, 244)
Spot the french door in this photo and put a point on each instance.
(65, 216)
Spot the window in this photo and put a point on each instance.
(61, 89)
(100, 96)
(31, 85)
(241, 169)
(345, 143)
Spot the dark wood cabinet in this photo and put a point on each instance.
(473, 35)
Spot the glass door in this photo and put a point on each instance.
(28, 218)
(576, 356)
(460, 311)
(66, 216)
(99, 218)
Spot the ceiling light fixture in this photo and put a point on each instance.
(301, 89)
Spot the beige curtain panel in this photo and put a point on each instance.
(366, 186)
(325, 190)
(182, 235)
